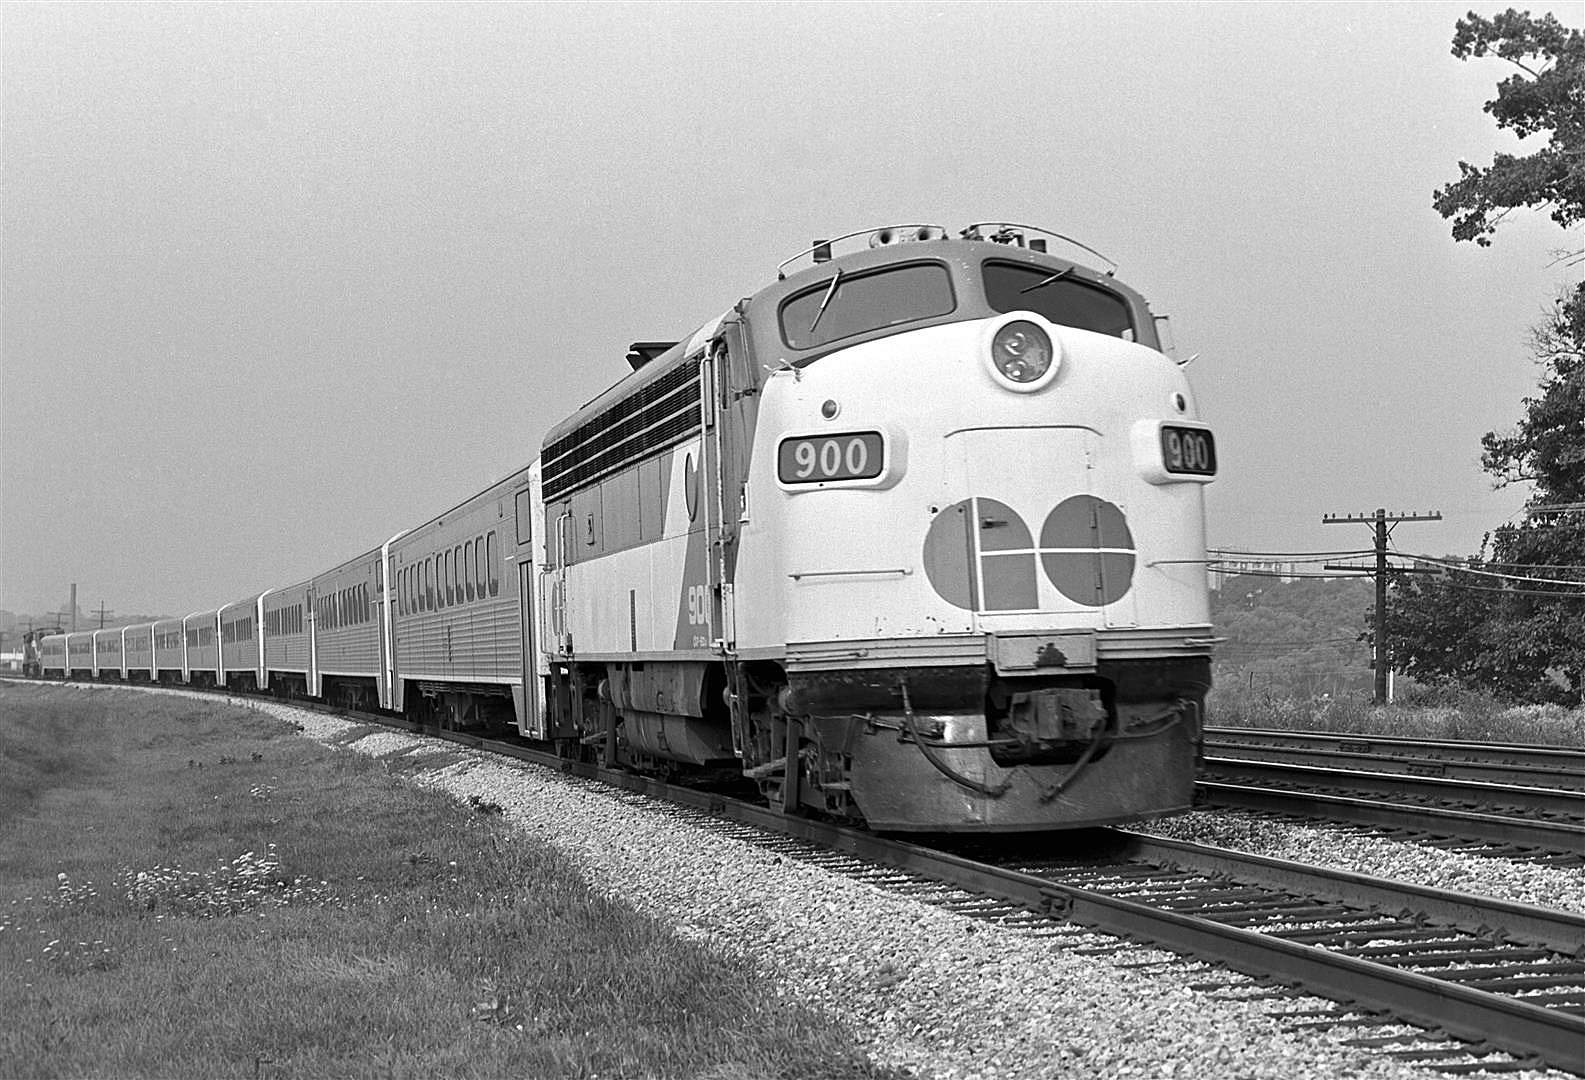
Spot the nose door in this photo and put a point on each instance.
(1026, 530)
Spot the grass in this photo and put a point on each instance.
(1419, 714)
(191, 889)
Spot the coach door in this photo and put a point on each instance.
(530, 710)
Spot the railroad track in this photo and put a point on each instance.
(1491, 985)
(1444, 791)
(1482, 976)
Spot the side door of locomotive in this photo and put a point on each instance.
(731, 407)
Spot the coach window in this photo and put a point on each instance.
(478, 565)
(467, 568)
(452, 592)
(490, 557)
(429, 583)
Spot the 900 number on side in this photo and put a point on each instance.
(856, 455)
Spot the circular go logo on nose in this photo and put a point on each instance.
(1087, 551)
(979, 554)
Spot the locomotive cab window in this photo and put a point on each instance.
(849, 304)
(1060, 297)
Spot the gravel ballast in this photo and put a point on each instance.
(941, 994)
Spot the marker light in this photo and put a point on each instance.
(1021, 351)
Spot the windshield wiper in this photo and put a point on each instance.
(1042, 284)
(830, 292)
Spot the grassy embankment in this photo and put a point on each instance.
(1468, 717)
(190, 889)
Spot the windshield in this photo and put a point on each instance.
(851, 303)
(1058, 296)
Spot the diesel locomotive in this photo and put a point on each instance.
(913, 535)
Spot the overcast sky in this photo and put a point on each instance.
(282, 280)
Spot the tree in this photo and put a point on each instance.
(1513, 622)
(1546, 96)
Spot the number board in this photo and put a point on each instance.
(1188, 450)
(858, 455)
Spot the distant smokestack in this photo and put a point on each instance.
(74, 605)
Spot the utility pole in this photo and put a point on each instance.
(102, 614)
(1381, 520)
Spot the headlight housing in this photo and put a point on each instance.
(1023, 355)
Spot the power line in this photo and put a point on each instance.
(1287, 556)
(1457, 568)
(1443, 583)
(1229, 572)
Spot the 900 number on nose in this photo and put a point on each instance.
(1188, 450)
(856, 455)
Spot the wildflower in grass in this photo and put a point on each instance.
(248, 881)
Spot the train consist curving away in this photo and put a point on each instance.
(913, 535)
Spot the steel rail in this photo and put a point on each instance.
(1530, 753)
(1520, 832)
(1566, 804)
